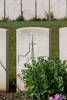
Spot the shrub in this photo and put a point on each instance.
(20, 18)
(22, 94)
(65, 82)
(44, 77)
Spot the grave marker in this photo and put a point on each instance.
(28, 9)
(60, 8)
(1, 9)
(31, 42)
(13, 9)
(62, 43)
(4, 53)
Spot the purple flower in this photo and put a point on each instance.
(63, 98)
(58, 97)
(51, 98)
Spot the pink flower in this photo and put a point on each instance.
(51, 98)
(57, 96)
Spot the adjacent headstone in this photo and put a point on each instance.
(13, 9)
(52, 3)
(1, 9)
(30, 42)
(60, 8)
(62, 43)
(28, 9)
(42, 8)
(4, 53)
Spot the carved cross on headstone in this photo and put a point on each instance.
(32, 52)
(2, 65)
(31, 49)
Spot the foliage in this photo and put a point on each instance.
(12, 84)
(58, 97)
(20, 18)
(44, 77)
(49, 16)
(23, 94)
(65, 82)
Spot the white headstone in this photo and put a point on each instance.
(1, 9)
(42, 8)
(62, 43)
(40, 38)
(52, 3)
(4, 53)
(13, 9)
(60, 9)
(28, 9)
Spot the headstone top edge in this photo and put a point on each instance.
(62, 28)
(3, 29)
(42, 28)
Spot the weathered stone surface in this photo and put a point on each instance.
(28, 9)
(62, 43)
(13, 9)
(1, 9)
(4, 53)
(42, 8)
(32, 41)
(60, 9)
(52, 3)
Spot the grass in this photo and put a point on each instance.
(12, 26)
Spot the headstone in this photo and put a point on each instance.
(42, 8)
(30, 42)
(1, 9)
(28, 9)
(62, 43)
(60, 9)
(4, 53)
(52, 3)
(13, 9)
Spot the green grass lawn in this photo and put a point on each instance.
(12, 26)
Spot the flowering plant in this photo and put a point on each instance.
(58, 97)
(45, 77)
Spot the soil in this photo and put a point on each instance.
(10, 96)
